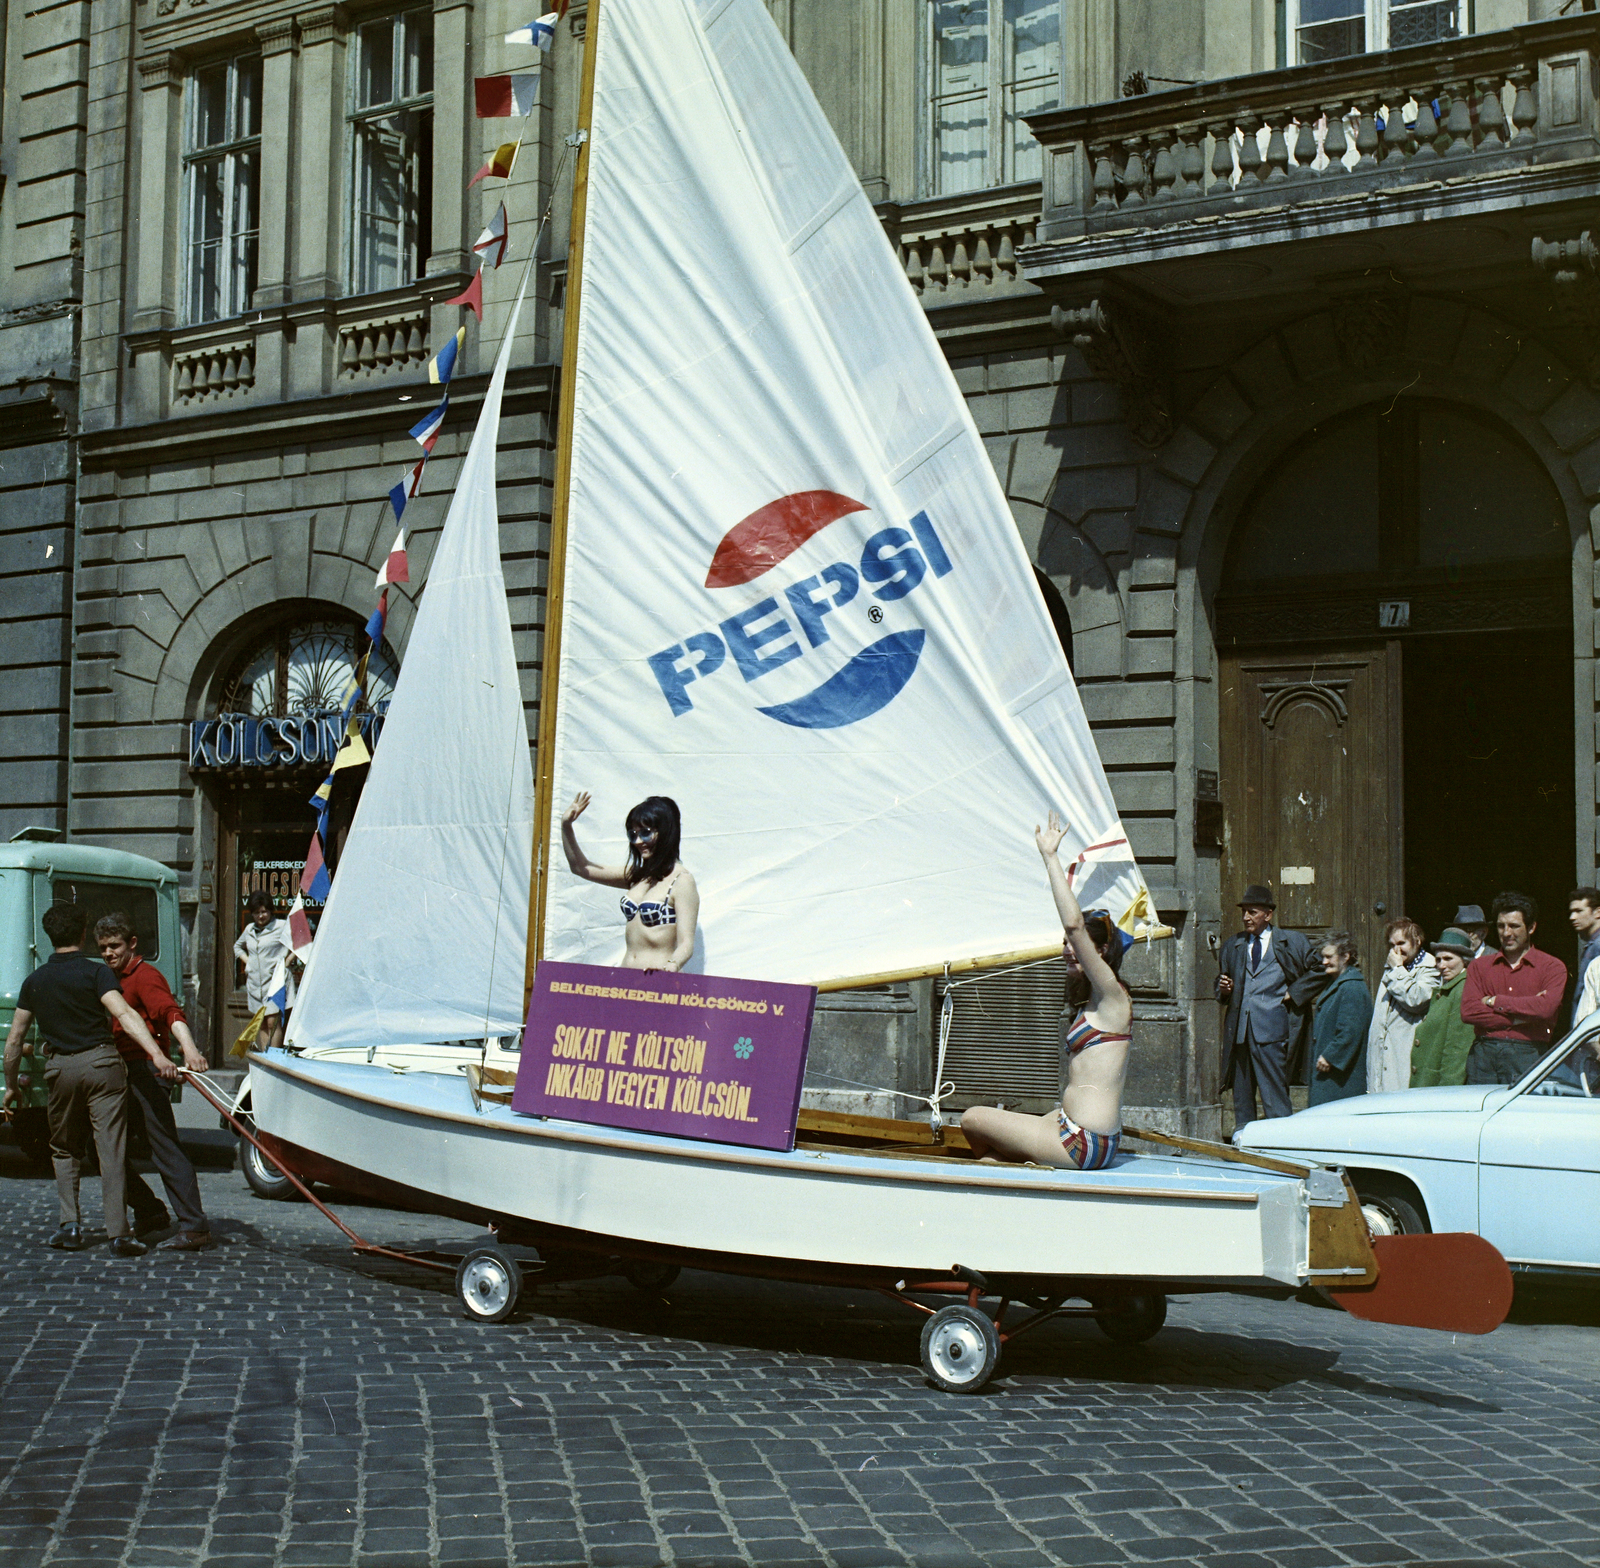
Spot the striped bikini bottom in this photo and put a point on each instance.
(1089, 1151)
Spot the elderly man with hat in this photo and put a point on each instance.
(1443, 1040)
(1474, 924)
(1268, 979)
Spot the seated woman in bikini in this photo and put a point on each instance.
(1096, 1028)
(660, 903)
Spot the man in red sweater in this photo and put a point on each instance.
(1512, 997)
(145, 989)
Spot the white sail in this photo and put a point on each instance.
(795, 599)
(425, 933)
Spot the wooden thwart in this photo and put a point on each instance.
(851, 1130)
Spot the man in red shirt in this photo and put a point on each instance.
(1512, 997)
(145, 989)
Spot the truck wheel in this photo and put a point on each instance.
(1388, 1214)
(960, 1347)
(1131, 1320)
(488, 1281)
(649, 1276)
(265, 1179)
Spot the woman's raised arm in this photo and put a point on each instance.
(1100, 975)
(581, 864)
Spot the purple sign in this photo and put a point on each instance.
(698, 1056)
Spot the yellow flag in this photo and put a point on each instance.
(1139, 919)
(247, 1035)
(354, 751)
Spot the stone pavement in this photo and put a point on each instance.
(276, 1402)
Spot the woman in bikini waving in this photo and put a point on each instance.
(1095, 1032)
(660, 903)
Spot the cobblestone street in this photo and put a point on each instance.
(274, 1401)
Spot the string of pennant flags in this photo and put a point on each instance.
(504, 96)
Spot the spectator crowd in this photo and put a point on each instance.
(1462, 1009)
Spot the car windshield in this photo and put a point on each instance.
(1576, 1075)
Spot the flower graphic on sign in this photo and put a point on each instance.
(743, 1046)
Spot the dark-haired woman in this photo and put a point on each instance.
(1341, 1020)
(660, 903)
(1096, 1028)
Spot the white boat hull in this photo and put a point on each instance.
(419, 1138)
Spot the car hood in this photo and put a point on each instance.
(1410, 1120)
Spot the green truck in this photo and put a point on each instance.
(36, 871)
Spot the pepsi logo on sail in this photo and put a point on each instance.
(790, 619)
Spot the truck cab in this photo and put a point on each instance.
(36, 872)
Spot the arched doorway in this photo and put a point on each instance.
(1394, 629)
(269, 739)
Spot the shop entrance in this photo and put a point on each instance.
(1395, 641)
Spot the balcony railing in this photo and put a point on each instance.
(957, 248)
(1452, 111)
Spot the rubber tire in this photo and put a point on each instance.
(30, 1126)
(651, 1277)
(488, 1283)
(1396, 1215)
(1131, 1320)
(265, 1180)
(960, 1349)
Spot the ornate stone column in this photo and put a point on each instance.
(156, 293)
(276, 170)
(317, 225)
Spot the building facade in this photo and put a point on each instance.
(1280, 325)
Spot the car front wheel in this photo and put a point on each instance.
(1388, 1214)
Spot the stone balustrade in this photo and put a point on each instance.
(381, 345)
(212, 372)
(1453, 110)
(956, 247)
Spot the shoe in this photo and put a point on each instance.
(189, 1241)
(68, 1239)
(127, 1247)
(149, 1225)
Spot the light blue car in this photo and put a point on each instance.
(1520, 1166)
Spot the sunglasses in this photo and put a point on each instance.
(1097, 922)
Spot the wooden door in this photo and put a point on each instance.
(1311, 788)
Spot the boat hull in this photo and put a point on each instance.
(418, 1140)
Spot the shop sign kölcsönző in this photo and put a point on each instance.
(698, 1056)
(238, 740)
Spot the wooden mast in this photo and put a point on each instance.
(555, 577)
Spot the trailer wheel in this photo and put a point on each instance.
(651, 1277)
(489, 1282)
(1131, 1320)
(960, 1347)
(264, 1178)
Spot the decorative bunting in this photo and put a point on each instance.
(355, 689)
(395, 569)
(498, 167)
(314, 879)
(321, 801)
(354, 753)
(472, 297)
(443, 364)
(299, 926)
(278, 985)
(491, 244)
(540, 33)
(500, 97)
(379, 619)
(426, 430)
(247, 1035)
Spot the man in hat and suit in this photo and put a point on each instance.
(1268, 979)
(1471, 920)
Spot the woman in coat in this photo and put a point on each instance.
(1439, 1052)
(1339, 1024)
(1405, 989)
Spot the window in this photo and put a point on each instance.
(221, 169)
(1328, 29)
(98, 899)
(991, 63)
(304, 669)
(392, 133)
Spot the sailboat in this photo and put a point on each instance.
(785, 589)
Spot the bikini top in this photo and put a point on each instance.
(1083, 1034)
(659, 912)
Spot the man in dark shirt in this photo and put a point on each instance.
(76, 998)
(1512, 997)
(149, 1104)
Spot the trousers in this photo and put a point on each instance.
(1501, 1061)
(1263, 1065)
(150, 1105)
(89, 1086)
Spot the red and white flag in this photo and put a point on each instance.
(471, 296)
(299, 926)
(395, 570)
(502, 96)
(491, 244)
